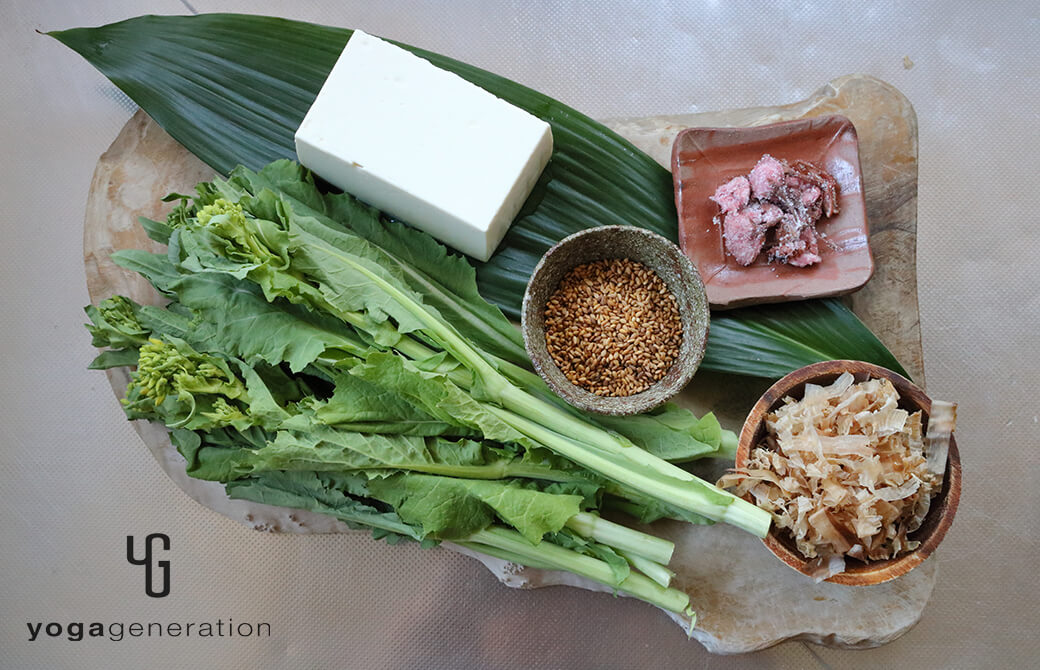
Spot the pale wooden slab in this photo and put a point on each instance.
(745, 598)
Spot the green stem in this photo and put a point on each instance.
(584, 435)
(504, 470)
(440, 331)
(505, 555)
(680, 488)
(551, 556)
(654, 571)
(509, 339)
(621, 537)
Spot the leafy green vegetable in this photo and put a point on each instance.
(301, 364)
(282, 330)
(447, 282)
(318, 263)
(259, 431)
(689, 438)
(326, 494)
(511, 546)
(115, 323)
(234, 88)
(371, 408)
(379, 482)
(453, 508)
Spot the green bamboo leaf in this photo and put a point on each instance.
(233, 89)
(771, 340)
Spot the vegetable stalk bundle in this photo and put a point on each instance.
(317, 355)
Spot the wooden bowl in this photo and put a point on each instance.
(912, 398)
(656, 253)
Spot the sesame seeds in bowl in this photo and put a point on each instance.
(615, 319)
(612, 327)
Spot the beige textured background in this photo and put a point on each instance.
(75, 479)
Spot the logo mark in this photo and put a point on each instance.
(149, 564)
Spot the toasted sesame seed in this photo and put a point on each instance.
(612, 327)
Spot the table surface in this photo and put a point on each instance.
(75, 478)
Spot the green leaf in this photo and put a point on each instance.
(446, 281)
(166, 321)
(270, 391)
(772, 340)
(156, 268)
(114, 358)
(453, 508)
(116, 323)
(340, 265)
(365, 407)
(233, 316)
(323, 493)
(234, 88)
(156, 230)
(670, 432)
(437, 396)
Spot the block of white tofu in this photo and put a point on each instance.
(423, 145)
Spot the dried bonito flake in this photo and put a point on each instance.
(846, 471)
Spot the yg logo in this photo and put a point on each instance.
(148, 563)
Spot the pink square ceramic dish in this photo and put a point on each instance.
(704, 158)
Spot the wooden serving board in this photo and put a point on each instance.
(745, 598)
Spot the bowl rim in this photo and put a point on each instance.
(691, 350)
(943, 508)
